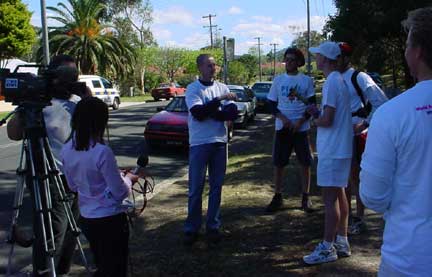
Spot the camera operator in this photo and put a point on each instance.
(57, 119)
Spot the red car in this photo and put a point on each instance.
(167, 91)
(170, 126)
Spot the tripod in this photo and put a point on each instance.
(37, 168)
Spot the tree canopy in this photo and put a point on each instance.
(374, 29)
(16, 33)
(96, 46)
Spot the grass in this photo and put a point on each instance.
(3, 114)
(141, 98)
(255, 243)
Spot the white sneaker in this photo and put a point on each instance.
(343, 249)
(321, 255)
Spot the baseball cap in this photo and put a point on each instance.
(346, 49)
(328, 49)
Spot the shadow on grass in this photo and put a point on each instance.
(254, 243)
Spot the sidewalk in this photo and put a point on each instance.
(6, 107)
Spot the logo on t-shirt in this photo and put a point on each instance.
(426, 108)
(293, 94)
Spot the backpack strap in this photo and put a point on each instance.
(357, 87)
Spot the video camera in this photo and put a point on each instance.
(19, 87)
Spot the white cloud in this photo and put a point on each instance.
(258, 29)
(194, 41)
(161, 34)
(235, 10)
(282, 32)
(173, 15)
(261, 18)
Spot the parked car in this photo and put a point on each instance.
(102, 89)
(246, 104)
(167, 91)
(261, 89)
(170, 127)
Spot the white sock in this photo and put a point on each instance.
(327, 244)
(342, 239)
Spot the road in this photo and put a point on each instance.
(126, 127)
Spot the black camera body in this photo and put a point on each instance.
(18, 87)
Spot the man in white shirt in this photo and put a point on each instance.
(209, 109)
(366, 96)
(396, 165)
(288, 98)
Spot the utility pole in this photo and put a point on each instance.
(274, 58)
(45, 44)
(210, 27)
(308, 40)
(259, 57)
(225, 68)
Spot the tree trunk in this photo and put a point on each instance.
(142, 85)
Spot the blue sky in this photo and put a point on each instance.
(179, 22)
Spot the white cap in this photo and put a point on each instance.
(328, 49)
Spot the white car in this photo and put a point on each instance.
(102, 89)
(246, 104)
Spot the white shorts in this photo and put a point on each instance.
(333, 172)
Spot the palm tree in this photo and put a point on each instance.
(82, 35)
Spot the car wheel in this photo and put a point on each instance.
(156, 98)
(245, 121)
(151, 144)
(252, 117)
(116, 104)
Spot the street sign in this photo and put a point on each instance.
(230, 49)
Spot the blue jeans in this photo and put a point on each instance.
(213, 156)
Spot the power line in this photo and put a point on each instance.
(210, 26)
(259, 57)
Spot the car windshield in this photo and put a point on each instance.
(164, 85)
(241, 96)
(178, 104)
(260, 87)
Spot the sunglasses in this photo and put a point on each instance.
(290, 59)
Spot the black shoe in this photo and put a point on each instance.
(190, 238)
(275, 204)
(213, 236)
(306, 204)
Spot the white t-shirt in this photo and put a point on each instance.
(58, 117)
(288, 91)
(335, 141)
(396, 178)
(371, 93)
(208, 130)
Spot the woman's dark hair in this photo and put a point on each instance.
(298, 54)
(88, 123)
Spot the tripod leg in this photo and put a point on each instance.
(54, 176)
(17, 204)
(42, 200)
